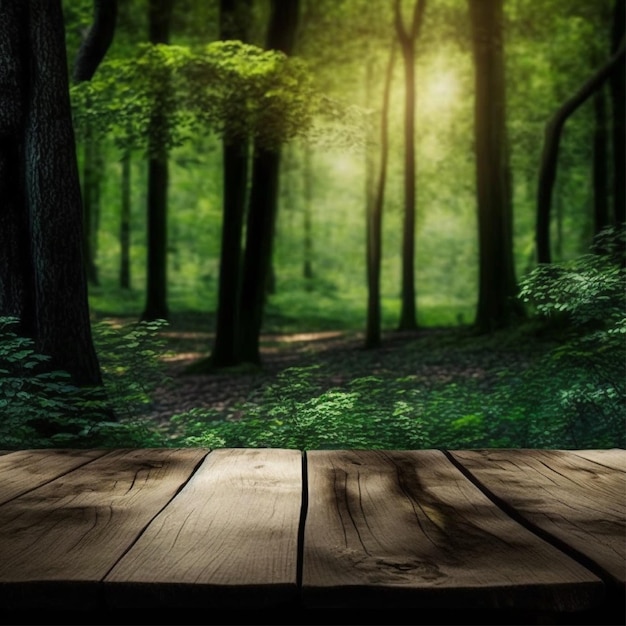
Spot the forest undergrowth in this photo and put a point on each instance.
(555, 380)
(443, 387)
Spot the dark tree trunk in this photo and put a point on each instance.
(618, 102)
(235, 173)
(407, 39)
(550, 153)
(375, 221)
(92, 173)
(307, 241)
(159, 19)
(263, 204)
(125, 212)
(497, 303)
(234, 24)
(98, 40)
(43, 272)
(256, 263)
(600, 164)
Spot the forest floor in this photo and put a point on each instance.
(431, 356)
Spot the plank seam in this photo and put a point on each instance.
(56, 476)
(304, 508)
(143, 530)
(611, 583)
(609, 467)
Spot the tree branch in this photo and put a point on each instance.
(549, 157)
(97, 41)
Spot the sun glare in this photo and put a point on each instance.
(444, 87)
(440, 88)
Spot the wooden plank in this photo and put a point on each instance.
(614, 458)
(579, 501)
(228, 539)
(406, 528)
(59, 539)
(24, 470)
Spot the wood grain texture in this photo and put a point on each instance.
(614, 458)
(230, 536)
(24, 470)
(578, 497)
(74, 529)
(407, 528)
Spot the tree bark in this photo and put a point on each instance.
(497, 304)
(98, 40)
(618, 102)
(600, 164)
(407, 39)
(46, 285)
(263, 204)
(92, 168)
(234, 24)
(125, 212)
(307, 240)
(375, 220)
(550, 153)
(159, 20)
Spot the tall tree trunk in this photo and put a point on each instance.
(375, 220)
(550, 153)
(407, 39)
(497, 302)
(159, 20)
(307, 241)
(125, 212)
(41, 197)
(600, 164)
(92, 165)
(618, 103)
(234, 24)
(263, 204)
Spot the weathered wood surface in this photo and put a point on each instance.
(525, 530)
(28, 469)
(76, 528)
(579, 499)
(409, 528)
(233, 526)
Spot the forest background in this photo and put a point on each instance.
(508, 286)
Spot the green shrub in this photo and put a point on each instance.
(43, 408)
(586, 375)
(296, 413)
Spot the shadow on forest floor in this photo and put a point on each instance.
(432, 357)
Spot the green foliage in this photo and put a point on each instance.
(571, 395)
(168, 92)
(295, 413)
(131, 364)
(588, 370)
(43, 408)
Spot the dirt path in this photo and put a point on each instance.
(339, 355)
(278, 352)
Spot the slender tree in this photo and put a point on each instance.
(159, 21)
(42, 271)
(618, 104)
(91, 185)
(307, 220)
(263, 202)
(600, 163)
(497, 304)
(125, 223)
(234, 24)
(550, 153)
(407, 38)
(375, 219)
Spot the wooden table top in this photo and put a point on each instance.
(522, 530)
